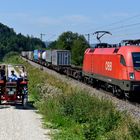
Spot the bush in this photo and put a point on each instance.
(97, 128)
(11, 57)
(96, 117)
(134, 131)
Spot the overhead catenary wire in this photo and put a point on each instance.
(109, 27)
(122, 27)
(120, 21)
(125, 26)
(126, 35)
(114, 23)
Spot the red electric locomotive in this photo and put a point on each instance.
(117, 68)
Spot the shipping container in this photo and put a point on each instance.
(47, 56)
(30, 55)
(37, 54)
(24, 53)
(44, 55)
(61, 57)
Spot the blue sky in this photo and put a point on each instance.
(53, 17)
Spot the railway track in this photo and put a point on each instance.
(133, 108)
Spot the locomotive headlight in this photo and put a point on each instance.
(131, 76)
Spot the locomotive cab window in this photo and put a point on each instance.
(122, 60)
(136, 60)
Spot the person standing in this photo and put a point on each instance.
(23, 73)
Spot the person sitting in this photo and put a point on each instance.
(13, 77)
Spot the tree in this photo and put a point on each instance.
(65, 41)
(10, 41)
(78, 49)
(74, 42)
(52, 45)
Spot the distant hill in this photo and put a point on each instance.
(12, 42)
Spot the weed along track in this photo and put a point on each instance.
(121, 105)
(73, 110)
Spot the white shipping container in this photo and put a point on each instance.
(24, 53)
(30, 55)
(61, 57)
(47, 56)
(44, 55)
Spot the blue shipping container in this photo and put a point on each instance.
(36, 54)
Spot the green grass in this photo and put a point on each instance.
(73, 112)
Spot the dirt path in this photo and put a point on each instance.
(19, 124)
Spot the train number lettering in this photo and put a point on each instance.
(108, 66)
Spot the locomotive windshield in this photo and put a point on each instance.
(136, 60)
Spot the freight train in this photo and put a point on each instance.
(113, 67)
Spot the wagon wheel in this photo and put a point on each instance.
(131, 96)
(24, 101)
(114, 90)
(127, 95)
(117, 92)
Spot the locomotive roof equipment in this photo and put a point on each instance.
(130, 42)
(100, 34)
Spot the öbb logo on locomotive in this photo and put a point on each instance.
(108, 65)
